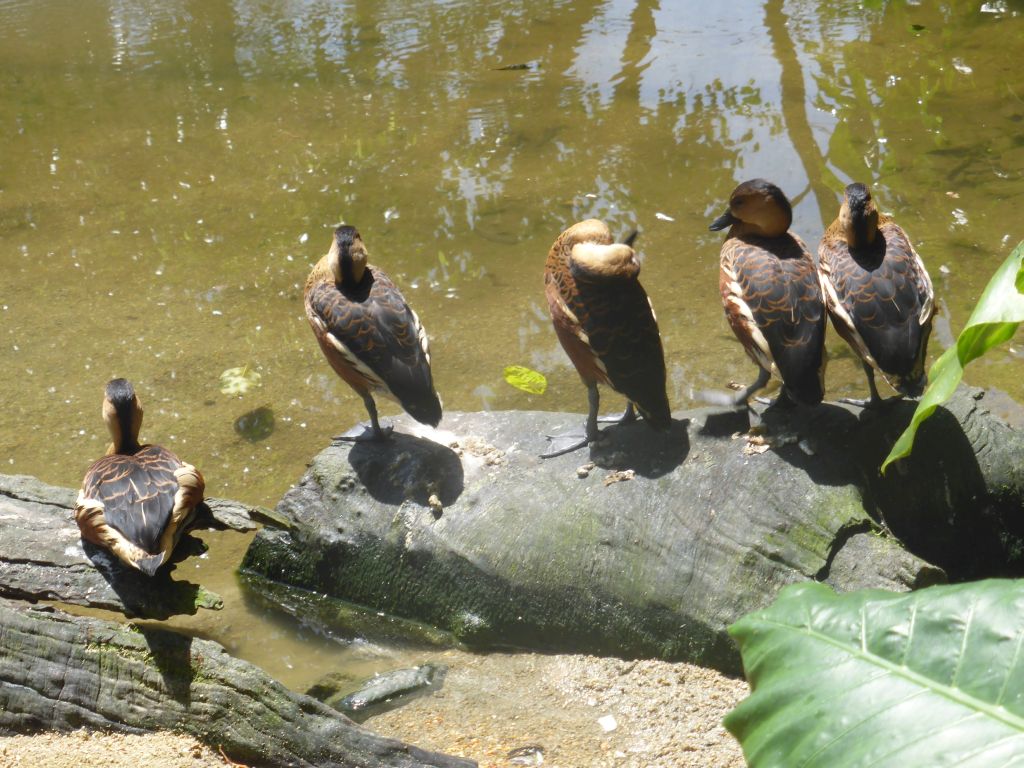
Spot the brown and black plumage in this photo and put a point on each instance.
(138, 500)
(771, 293)
(605, 323)
(878, 293)
(369, 334)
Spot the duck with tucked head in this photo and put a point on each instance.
(369, 334)
(771, 294)
(606, 324)
(138, 500)
(878, 293)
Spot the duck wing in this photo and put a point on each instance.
(772, 297)
(137, 492)
(618, 321)
(381, 338)
(882, 306)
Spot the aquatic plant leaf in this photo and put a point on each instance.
(256, 425)
(238, 381)
(526, 379)
(908, 680)
(994, 320)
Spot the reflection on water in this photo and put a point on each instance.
(171, 171)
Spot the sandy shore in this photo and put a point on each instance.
(82, 749)
(580, 711)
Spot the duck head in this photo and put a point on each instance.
(756, 207)
(347, 257)
(858, 216)
(593, 255)
(122, 413)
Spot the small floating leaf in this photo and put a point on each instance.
(238, 381)
(526, 379)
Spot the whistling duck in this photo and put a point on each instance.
(878, 293)
(369, 334)
(606, 324)
(137, 500)
(771, 293)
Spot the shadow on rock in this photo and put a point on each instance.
(155, 597)
(726, 423)
(936, 500)
(638, 447)
(408, 468)
(172, 656)
(814, 440)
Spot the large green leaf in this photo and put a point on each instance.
(872, 678)
(994, 320)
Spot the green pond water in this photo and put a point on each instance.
(169, 172)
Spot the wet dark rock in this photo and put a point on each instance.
(526, 553)
(62, 672)
(381, 693)
(237, 516)
(255, 425)
(42, 556)
(340, 620)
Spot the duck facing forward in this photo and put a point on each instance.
(771, 293)
(606, 324)
(878, 293)
(369, 334)
(138, 500)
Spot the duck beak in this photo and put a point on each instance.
(630, 238)
(723, 221)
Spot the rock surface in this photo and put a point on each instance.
(381, 693)
(42, 556)
(663, 543)
(60, 672)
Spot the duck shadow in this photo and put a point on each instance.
(802, 437)
(171, 654)
(815, 440)
(636, 446)
(408, 468)
(149, 597)
(936, 501)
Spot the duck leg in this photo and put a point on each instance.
(374, 432)
(628, 416)
(729, 400)
(743, 396)
(875, 399)
(594, 398)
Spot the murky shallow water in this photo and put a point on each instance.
(171, 170)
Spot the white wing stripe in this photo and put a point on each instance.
(374, 380)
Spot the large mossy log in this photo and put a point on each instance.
(471, 532)
(60, 672)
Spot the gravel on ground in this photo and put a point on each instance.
(503, 710)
